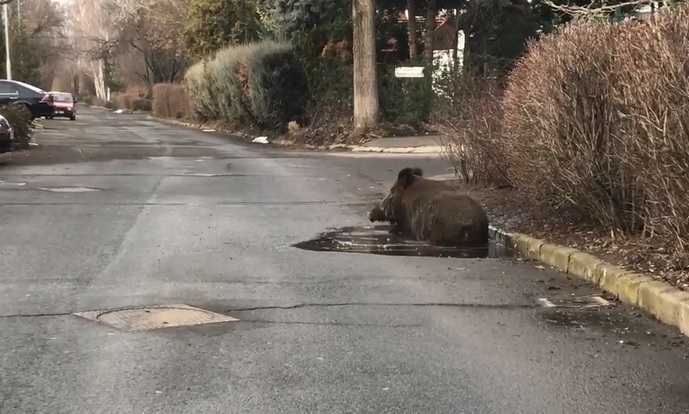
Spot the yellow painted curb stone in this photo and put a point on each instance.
(626, 286)
(584, 265)
(684, 317)
(667, 303)
(556, 256)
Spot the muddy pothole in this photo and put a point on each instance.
(378, 240)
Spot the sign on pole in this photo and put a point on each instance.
(409, 72)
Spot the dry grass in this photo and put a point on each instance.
(172, 101)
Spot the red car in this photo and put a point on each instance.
(65, 105)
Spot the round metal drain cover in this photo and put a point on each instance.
(76, 189)
(155, 317)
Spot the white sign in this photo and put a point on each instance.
(409, 72)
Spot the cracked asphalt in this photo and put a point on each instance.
(184, 217)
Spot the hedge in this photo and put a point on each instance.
(596, 117)
(260, 84)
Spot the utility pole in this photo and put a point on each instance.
(6, 23)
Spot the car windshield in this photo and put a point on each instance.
(62, 97)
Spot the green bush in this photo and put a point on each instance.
(198, 85)
(403, 101)
(259, 84)
(278, 92)
(19, 117)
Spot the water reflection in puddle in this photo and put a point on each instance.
(377, 240)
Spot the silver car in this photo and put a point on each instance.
(6, 135)
(6, 124)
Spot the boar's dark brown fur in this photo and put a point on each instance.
(432, 211)
(382, 210)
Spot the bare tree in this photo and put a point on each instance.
(366, 105)
(152, 34)
(37, 40)
(90, 32)
(93, 28)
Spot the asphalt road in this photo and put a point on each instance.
(317, 332)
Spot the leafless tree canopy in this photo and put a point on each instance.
(134, 42)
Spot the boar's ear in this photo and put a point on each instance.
(406, 177)
(418, 171)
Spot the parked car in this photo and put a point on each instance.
(6, 135)
(37, 101)
(65, 105)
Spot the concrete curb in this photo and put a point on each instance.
(423, 149)
(668, 304)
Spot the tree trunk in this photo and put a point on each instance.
(366, 106)
(455, 40)
(98, 70)
(430, 31)
(411, 25)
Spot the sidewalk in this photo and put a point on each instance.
(427, 144)
(424, 144)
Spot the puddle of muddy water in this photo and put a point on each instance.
(378, 240)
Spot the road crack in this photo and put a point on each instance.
(506, 306)
(422, 304)
(35, 315)
(338, 324)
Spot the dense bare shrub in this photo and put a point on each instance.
(123, 100)
(596, 116)
(142, 104)
(468, 113)
(95, 101)
(654, 101)
(131, 102)
(19, 117)
(171, 100)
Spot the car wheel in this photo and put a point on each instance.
(73, 118)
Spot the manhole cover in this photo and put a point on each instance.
(581, 302)
(155, 317)
(76, 189)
